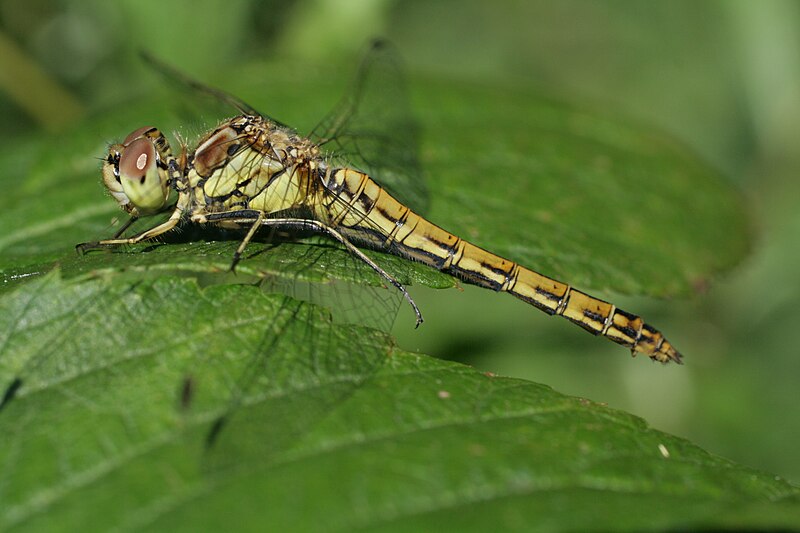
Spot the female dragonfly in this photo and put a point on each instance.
(253, 172)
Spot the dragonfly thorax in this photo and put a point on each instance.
(137, 172)
(249, 162)
(281, 146)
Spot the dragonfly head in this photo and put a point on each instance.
(137, 172)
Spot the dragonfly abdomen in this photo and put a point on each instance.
(374, 216)
(592, 314)
(477, 266)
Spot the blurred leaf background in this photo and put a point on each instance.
(721, 76)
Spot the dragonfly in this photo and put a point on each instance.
(253, 172)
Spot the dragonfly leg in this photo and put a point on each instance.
(253, 217)
(148, 234)
(321, 227)
(125, 226)
(237, 255)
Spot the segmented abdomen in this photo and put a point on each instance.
(365, 211)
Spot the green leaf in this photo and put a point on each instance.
(587, 198)
(157, 404)
(578, 196)
(148, 387)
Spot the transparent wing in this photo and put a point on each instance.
(372, 128)
(261, 370)
(217, 105)
(175, 75)
(252, 373)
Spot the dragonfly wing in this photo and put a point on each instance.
(372, 128)
(185, 81)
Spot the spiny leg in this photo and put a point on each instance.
(147, 234)
(313, 225)
(361, 255)
(237, 255)
(125, 226)
(319, 226)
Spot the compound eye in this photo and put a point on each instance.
(136, 172)
(136, 134)
(137, 159)
(143, 182)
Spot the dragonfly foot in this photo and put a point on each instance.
(84, 247)
(235, 261)
(417, 312)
